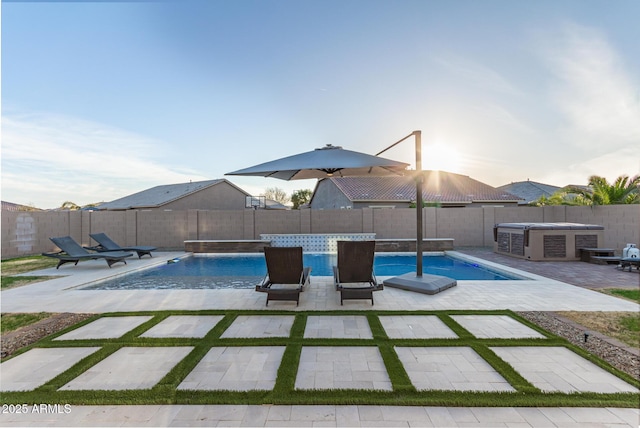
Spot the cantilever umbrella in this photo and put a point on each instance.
(325, 162)
(332, 161)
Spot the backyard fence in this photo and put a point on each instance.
(27, 233)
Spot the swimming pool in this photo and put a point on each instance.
(246, 270)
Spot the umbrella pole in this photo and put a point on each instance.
(419, 179)
(416, 281)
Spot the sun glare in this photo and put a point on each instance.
(440, 157)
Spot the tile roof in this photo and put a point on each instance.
(158, 196)
(529, 190)
(10, 206)
(439, 186)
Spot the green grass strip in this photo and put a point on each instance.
(284, 392)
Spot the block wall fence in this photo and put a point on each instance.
(27, 233)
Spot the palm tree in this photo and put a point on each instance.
(561, 197)
(600, 192)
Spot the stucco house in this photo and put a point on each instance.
(217, 194)
(444, 189)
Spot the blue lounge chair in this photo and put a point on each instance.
(106, 244)
(72, 252)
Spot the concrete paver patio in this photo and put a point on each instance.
(558, 369)
(320, 367)
(266, 326)
(38, 366)
(184, 326)
(416, 327)
(450, 368)
(105, 328)
(342, 367)
(495, 326)
(240, 368)
(130, 368)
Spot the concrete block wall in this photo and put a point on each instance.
(519, 215)
(554, 214)
(249, 224)
(305, 221)
(131, 230)
(113, 223)
(163, 229)
(276, 221)
(394, 223)
(430, 224)
(22, 235)
(75, 227)
(367, 220)
(48, 226)
(464, 225)
(26, 233)
(220, 224)
(336, 221)
(621, 223)
(488, 222)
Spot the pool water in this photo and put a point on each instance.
(245, 271)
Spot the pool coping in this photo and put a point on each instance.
(428, 283)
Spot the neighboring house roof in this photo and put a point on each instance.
(529, 191)
(160, 195)
(438, 186)
(270, 204)
(10, 206)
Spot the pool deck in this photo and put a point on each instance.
(560, 286)
(540, 293)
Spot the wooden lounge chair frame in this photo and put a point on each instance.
(72, 252)
(355, 266)
(107, 244)
(284, 267)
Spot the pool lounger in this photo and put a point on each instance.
(72, 252)
(284, 267)
(107, 244)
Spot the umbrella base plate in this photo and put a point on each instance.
(425, 284)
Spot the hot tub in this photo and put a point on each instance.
(546, 241)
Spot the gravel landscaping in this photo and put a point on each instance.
(617, 354)
(29, 334)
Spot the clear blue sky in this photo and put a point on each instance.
(101, 100)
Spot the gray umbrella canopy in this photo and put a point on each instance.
(324, 162)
